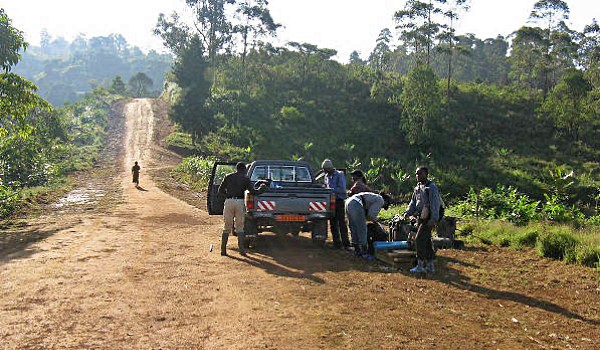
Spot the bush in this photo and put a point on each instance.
(587, 256)
(195, 171)
(527, 238)
(557, 245)
(501, 203)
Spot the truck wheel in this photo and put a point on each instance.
(319, 232)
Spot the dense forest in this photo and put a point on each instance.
(520, 112)
(65, 71)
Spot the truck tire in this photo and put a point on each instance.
(319, 232)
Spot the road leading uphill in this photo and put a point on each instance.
(138, 272)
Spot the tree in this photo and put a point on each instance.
(559, 48)
(140, 85)
(566, 105)
(379, 58)
(253, 21)
(23, 115)
(421, 105)
(529, 65)
(355, 59)
(118, 86)
(589, 52)
(448, 35)
(419, 28)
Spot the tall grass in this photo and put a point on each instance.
(561, 242)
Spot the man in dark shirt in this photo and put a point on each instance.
(424, 206)
(233, 188)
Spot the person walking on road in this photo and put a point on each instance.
(360, 208)
(233, 187)
(336, 180)
(135, 171)
(424, 207)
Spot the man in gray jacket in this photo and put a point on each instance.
(360, 208)
(424, 207)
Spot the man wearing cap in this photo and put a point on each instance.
(336, 180)
(233, 187)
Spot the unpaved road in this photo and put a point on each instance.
(138, 274)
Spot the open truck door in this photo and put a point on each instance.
(216, 202)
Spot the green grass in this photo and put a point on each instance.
(561, 242)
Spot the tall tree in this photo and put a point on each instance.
(140, 85)
(22, 114)
(451, 12)
(421, 105)
(418, 27)
(560, 50)
(253, 22)
(567, 106)
(380, 56)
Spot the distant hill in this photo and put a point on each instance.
(64, 71)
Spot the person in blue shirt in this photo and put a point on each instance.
(336, 180)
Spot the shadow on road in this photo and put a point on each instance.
(298, 257)
(17, 244)
(456, 279)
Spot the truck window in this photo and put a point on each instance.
(281, 173)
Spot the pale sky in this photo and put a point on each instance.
(343, 25)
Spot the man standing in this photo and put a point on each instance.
(360, 208)
(424, 207)
(135, 171)
(336, 180)
(233, 187)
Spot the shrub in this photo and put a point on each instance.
(587, 255)
(527, 238)
(195, 171)
(557, 245)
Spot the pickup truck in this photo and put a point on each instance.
(294, 201)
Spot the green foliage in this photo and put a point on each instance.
(194, 171)
(117, 86)
(140, 85)
(556, 210)
(557, 244)
(11, 43)
(501, 203)
(421, 104)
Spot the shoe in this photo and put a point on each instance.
(223, 253)
(430, 267)
(367, 257)
(420, 268)
(348, 248)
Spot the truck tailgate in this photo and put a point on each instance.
(294, 201)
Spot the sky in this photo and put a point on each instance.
(343, 25)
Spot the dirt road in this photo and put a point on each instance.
(138, 273)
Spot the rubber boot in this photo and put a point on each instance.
(430, 267)
(420, 268)
(357, 251)
(224, 238)
(241, 238)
